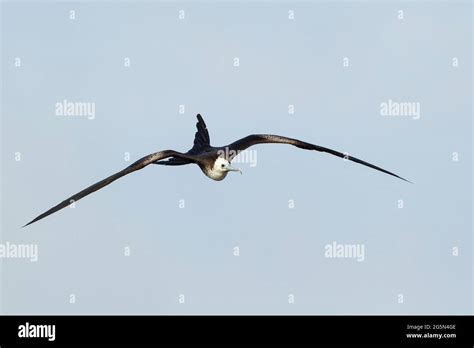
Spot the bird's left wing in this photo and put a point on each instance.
(233, 149)
(141, 163)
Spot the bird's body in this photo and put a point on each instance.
(213, 161)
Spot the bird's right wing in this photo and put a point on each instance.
(141, 163)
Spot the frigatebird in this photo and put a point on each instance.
(213, 161)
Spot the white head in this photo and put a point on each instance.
(221, 168)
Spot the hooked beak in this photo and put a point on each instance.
(229, 168)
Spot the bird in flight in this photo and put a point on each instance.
(213, 161)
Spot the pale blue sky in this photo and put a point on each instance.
(190, 251)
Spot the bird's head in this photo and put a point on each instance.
(221, 168)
